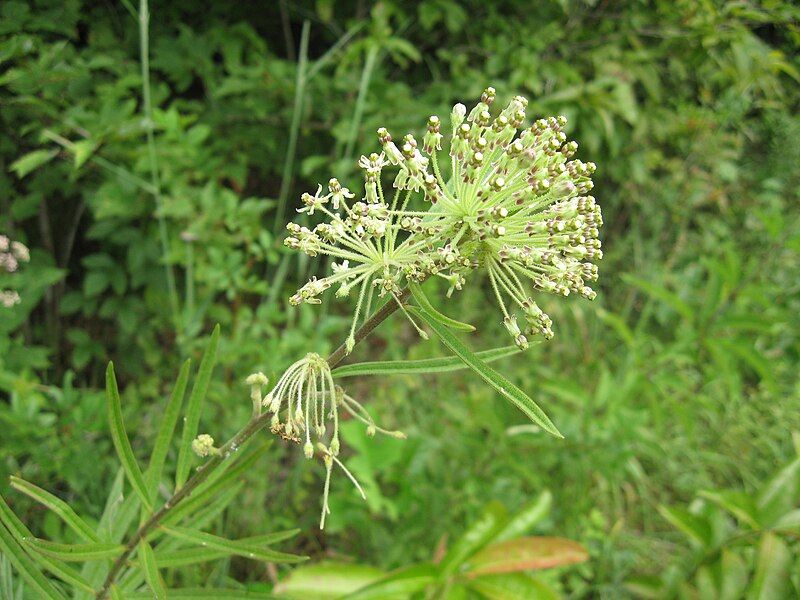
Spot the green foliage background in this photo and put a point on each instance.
(680, 377)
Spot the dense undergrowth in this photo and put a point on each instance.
(679, 379)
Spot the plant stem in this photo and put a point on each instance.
(144, 48)
(252, 427)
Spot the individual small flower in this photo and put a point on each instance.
(256, 381)
(203, 445)
(9, 298)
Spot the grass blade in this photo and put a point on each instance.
(25, 566)
(148, 562)
(192, 419)
(166, 431)
(426, 305)
(74, 552)
(498, 381)
(235, 547)
(420, 366)
(120, 438)
(58, 506)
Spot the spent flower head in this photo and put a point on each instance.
(515, 206)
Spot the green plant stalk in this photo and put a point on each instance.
(144, 49)
(361, 99)
(256, 424)
(294, 127)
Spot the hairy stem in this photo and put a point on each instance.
(256, 424)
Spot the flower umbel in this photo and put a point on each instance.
(515, 206)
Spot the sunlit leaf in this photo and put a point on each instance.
(326, 581)
(523, 554)
(74, 552)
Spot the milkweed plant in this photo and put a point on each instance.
(487, 200)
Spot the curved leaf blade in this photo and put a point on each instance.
(236, 547)
(74, 552)
(148, 562)
(498, 381)
(420, 366)
(193, 409)
(426, 305)
(402, 583)
(120, 438)
(26, 567)
(58, 506)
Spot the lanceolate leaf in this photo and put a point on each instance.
(236, 547)
(425, 305)
(148, 563)
(25, 566)
(498, 381)
(120, 438)
(523, 554)
(401, 583)
(19, 532)
(326, 581)
(425, 365)
(74, 552)
(58, 506)
(529, 516)
(512, 586)
(192, 419)
(167, 429)
(189, 556)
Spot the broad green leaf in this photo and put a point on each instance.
(165, 432)
(403, 582)
(32, 161)
(192, 419)
(424, 365)
(25, 566)
(147, 561)
(529, 516)
(326, 581)
(58, 506)
(477, 535)
(739, 504)
(777, 497)
(120, 438)
(523, 554)
(498, 381)
(512, 586)
(236, 547)
(771, 580)
(190, 556)
(696, 528)
(20, 532)
(213, 593)
(74, 552)
(425, 305)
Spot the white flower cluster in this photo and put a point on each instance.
(11, 255)
(515, 206)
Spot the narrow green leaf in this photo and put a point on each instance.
(326, 581)
(120, 438)
(777, 496)
(498, 381)
(424, 365)
(235, 547)
(116, 593)
(214, 593)
(74, 552)
(169, 420)
(25, 566)
(192, 419)
(401, 583)
(190, 556)
(426, 305)
(525, 519)
(772, 576)
(694, 527)
(19, 532)
(31, 161)
(147, 560)
(738, 503)
(476, 536)
(58, 506)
